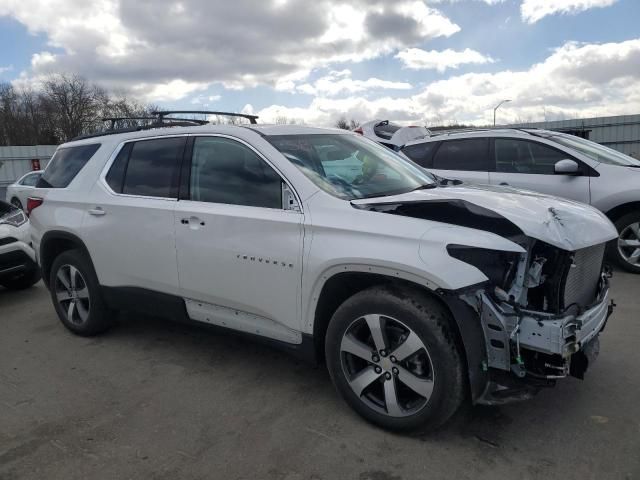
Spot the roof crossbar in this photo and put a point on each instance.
(163, 113)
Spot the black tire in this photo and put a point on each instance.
(99, 317)
(15, 201)
(22, 281)
(622, 224)
(435, 328)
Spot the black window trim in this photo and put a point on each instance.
(585, 170)
(116, 152)
(488, 163)
(185, 172)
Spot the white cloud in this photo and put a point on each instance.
(418, 59)
(340, 82)
(534, 10)
(5, 69)
(575, 80)
(167, 48)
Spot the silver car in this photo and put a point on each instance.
(540, 160)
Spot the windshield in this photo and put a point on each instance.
(596, 151)
(351, 167)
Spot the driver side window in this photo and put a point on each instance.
(522, 156)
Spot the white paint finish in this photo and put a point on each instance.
(20, 233)
(133, 243)
(566, 186)
(241, 321)
(213, 267)
(20, 191)
(562, 223)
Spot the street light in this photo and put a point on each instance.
(495, 109)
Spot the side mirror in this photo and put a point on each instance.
(567, 167)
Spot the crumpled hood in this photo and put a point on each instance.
(563, 223)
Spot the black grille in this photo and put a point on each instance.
(581, 284)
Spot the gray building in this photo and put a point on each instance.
(621, 132)
(16, 161)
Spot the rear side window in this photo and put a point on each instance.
(65, 165)
(153, 168)
(421, 153)
(470, 154)
(31, 180)
(115, 177)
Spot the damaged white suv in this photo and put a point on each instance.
(419, 296)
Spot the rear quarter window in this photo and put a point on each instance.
(421, 153)
(65, 165)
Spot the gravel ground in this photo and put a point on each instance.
(154, 399)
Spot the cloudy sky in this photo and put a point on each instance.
(432, 61)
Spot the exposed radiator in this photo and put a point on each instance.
(581, 285)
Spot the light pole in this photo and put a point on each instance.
(495, 109)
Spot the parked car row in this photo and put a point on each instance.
(419, 294)
(536, 160)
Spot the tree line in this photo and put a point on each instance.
(64, 107)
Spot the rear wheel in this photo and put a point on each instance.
(393, 355)
(15, 201)
(76, 295)
(627, 246)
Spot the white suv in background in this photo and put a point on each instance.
(539, 160)
(330, 246)
(18, 267)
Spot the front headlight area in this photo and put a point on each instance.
(498, 266)
(15, 218)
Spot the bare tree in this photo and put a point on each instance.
(345, 124)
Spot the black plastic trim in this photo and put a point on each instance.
(173, 308)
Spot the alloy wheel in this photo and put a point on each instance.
(72, 294)
(387, 365)
(629, 244)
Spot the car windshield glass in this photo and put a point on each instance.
(596, 151)
(350, 166)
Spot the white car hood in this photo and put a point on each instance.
(565, 224)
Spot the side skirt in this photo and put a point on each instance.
(171, 307)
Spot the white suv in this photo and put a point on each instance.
(18, 267)
(330, 246)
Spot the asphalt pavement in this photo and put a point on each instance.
(156, 399)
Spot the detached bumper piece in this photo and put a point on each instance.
(529, 350)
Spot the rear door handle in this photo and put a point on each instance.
(504, 183)
(97, 212)
(195, 220)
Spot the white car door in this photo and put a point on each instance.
(530, 165)
(129, 223)
(465, 159)
(239, 251)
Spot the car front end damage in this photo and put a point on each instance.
(537, 315)
(541, 312)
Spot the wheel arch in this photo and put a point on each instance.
(55, 242)
(621, 210)
(342, 285)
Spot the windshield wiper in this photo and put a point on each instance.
(426, 186)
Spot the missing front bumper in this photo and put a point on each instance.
(508, 333)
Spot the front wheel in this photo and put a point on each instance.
(627, 246)
(394, 356)
(76, 295)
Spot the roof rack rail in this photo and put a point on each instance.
(163, 113)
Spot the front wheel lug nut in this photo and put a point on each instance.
(378, 370)
(387, 376)
(395, 371)
(393, 359)
(375, 358)
(383, 353)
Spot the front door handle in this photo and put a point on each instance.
(504, 183)
(97, 212)
(194, 220)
